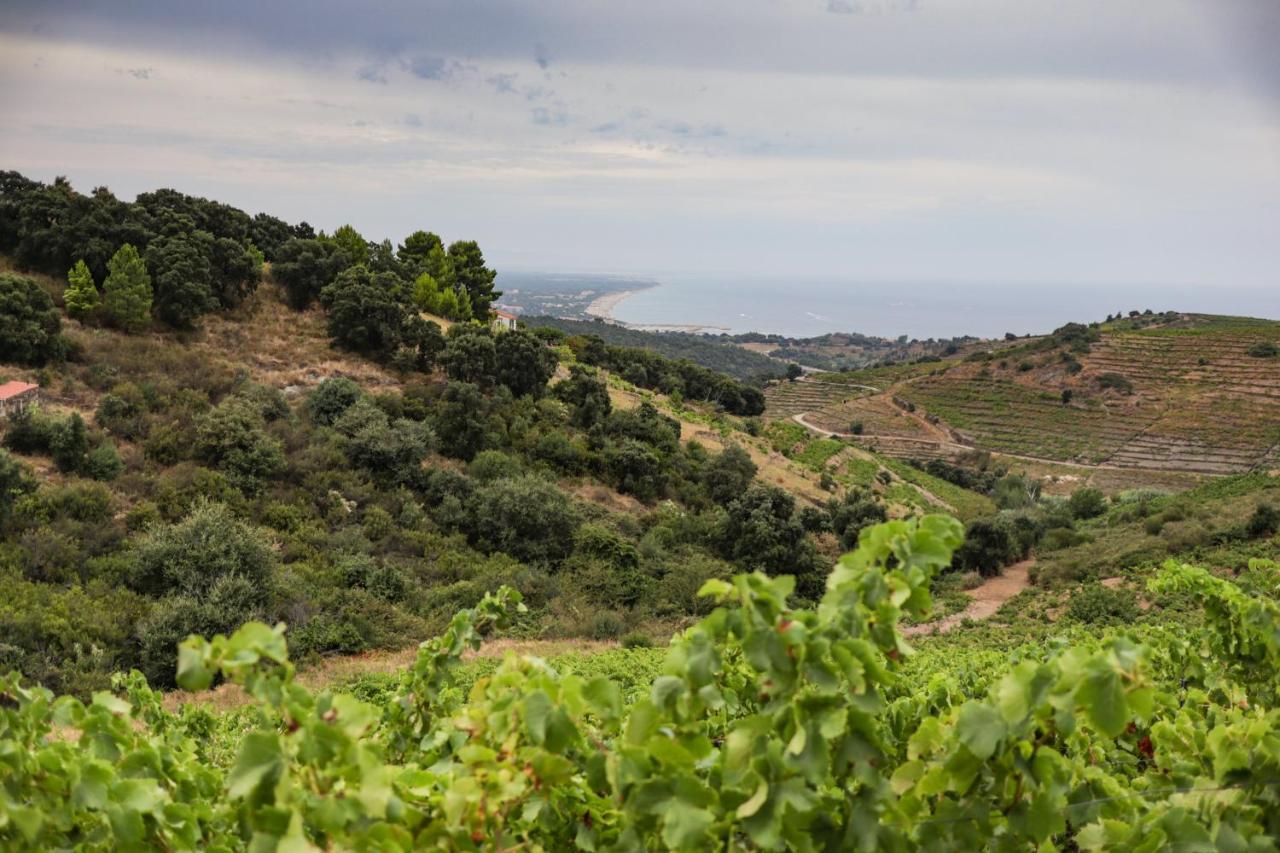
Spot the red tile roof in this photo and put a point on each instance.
(505, 314)
(13, 389)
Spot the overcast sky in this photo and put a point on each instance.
(1131, 141)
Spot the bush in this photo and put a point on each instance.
(607, 626)
(190, 557)
(989, 545)
(1095, 604)
(524, 516)
(30, 324)
(1265, 521)
(331, 398)
(232, 438)
(1264, 349)
(636, 640)
(1117, 381)
(102, 463)
(1087, 503)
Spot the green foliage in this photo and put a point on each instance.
(81, 296)
(523, 363)
(728, 475)
(1095, 604)
(1264, 349)
(232, 438)
(769, 727)
(182, 280)
(365, 310)
(524, 516)
(587, 395)
(331, 398)
(306, 267)
(1117, 381)
(15, 481)
(126, 292)
(69, 443)
(1087, 503)
(30, 325)
(471, 276)
(470, 355)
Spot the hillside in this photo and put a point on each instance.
(1189, 394)
(711, 351)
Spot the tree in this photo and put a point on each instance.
(372, 441)
(126, 293)
(794, 371)
(460, 420)
(526, 517)
(858, 509)
(470, 355)
(365, 314)
(1087, 503)
(182, 279)
(989, 546)
(635, 469)
(15, 481)
(68, 443)
(473, 276)
(232, 438)
(268, 234)
(588, 396)
(30, 324)
(1067, 394)
(331, 398)
(306, 267)
(81, 296)
(211, 572)
(424, 341)
(350, 241)
(237, 271)
(762, 532)
(416, 249)
(524, 365)
(728, 475)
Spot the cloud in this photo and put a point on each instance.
(428, 67)
(541, 56)
(859, 7)
(502, 83)
(137, 73)
(371, 73)
(550, 116)
(413, 120)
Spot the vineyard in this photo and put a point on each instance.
(769, 727)
(1197, 396)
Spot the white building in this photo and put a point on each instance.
(17, 397)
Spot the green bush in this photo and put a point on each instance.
(1087, 503)
(1095, 604)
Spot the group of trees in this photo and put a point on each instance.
(681, 379)
(177, 257)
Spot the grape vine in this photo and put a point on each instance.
(771, 727)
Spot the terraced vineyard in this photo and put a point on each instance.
(1205, 399)
(784, 399)
(1000, 414)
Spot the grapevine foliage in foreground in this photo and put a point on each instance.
(772, 727)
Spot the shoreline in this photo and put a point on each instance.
(602, 307)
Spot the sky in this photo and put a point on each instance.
(1036, 141)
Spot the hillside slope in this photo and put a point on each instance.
(1189, 394)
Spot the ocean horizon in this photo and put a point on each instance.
(926, 309)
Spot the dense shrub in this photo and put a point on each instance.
(1087, 503)
(232, 438)
(30, 325)
(1095, 604)
(524, 516)
(989, 545)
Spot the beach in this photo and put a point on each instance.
(603, 306)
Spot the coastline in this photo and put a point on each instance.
(602, 307)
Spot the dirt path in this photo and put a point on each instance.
(986, 600)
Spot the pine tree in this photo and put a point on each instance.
(126, 294)
(426, 294)
(464, 312)
(81, 295)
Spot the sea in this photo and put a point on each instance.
(918, 309)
